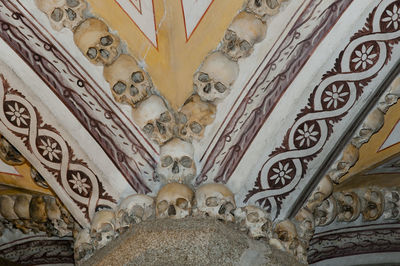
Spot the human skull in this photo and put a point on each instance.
(326, 212)
(215, 200)
(21, 206)
(392, 204)
(215, 77)
(287, 235)
(245, 31)
(38, 178)
(9, 154)
(96, 42)
(306, 224)
(254, 220)
(194, 116)
(176, 162)
(174, 200)
(264, 8)
(349, 206)
(7, 208)
(134, 209)
(128, 82)
(349, 158)
(37, 209)
(372, 202)
(153, 117)
(57, 225)
(372, 123)
(321, 192)
(63, 13)
(103, 228)
(83, 245)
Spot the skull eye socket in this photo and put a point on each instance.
(257, 3)
(166, 161)
(245, 46)
(196, 127)
(162, 206)
(57, 15)
(182, 203)
(283, 236)
(220, 87)
(119, 87)
(186, 161)
(137, 77)
(148, 129)
(92, 53)
(165, 117)
(272, 4)
(203, 77)
(72, 3)
(106, 40)
(212, 202)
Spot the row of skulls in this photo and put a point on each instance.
(220, 69)
(371, 203)
(35, 213)
(31, 213)
(11, 156)
(178, 201)
(130, 84)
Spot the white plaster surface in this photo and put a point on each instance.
(142, 14)
(296, 97)
(393, 138)
(193, 11)
(8, 169)
(249, 69)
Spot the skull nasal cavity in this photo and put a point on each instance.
(175, 168)
(71, 14)
(222, 209)
(104, 53)
(171, 210)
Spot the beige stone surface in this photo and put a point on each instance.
(188, 242)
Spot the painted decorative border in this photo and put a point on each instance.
(39, 250)
(368, 51)
(22, 119)
(77, 93)
(308, 31)
(336, 244)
